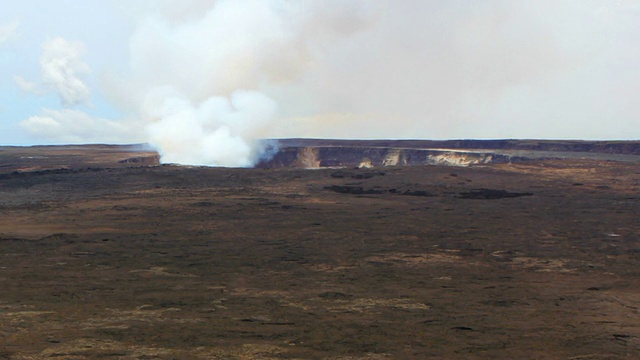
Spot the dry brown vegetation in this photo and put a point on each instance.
(168, 262)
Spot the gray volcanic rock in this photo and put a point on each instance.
(319, 153)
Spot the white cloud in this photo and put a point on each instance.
(63, 71)
(27, 86)
(8, 30)
(73, 126)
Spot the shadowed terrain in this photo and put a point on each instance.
(105, 254)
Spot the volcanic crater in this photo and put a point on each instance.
(387, 249)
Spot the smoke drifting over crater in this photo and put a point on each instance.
(219, 131)
(207, 79)
(204, 80)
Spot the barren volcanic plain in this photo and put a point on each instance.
(384, 250)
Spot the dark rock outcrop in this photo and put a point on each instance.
(492, 194)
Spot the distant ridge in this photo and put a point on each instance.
(604, 146)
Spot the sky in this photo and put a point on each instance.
(203, 81)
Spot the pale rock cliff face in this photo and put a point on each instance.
(364, 157)
(321, 153)
(460, 159)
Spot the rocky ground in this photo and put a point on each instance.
(534, 260)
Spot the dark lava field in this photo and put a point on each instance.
(104, 254)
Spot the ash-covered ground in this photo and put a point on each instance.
(105, 254)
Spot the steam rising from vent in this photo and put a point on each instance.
(219, 131)
(203, 78)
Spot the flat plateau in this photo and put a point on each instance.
(103, 256)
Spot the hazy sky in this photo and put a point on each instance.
(222, 73)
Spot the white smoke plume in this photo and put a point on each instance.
(219, 131)
(203, 78)
(390, 69)
(209, 78)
